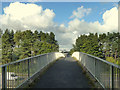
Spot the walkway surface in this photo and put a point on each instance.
(65, 73)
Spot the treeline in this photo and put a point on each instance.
(103, 45)
(22, 44)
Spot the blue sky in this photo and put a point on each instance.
(60, 0)
(63, 10)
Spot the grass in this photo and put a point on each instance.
(75, 58)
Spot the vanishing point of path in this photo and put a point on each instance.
(65, 73)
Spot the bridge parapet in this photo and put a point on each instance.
(15, 74)
(106, 73)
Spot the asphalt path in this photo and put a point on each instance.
(65, 73)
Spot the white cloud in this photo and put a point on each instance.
(82, 27)
(20, 16)
(81, 12)
(110, 24)
(110, 19)
(26, 16)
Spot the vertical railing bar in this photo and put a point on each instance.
(47, 60)
(30, 66)
(15, 73)
(4, 77)
(117, 78)
(22, 70)
(112, 77)
(18, 72)
(24, 75)
(105, 75)
(95, 68)
(12, 78)
(8, 77)
(37, 63)
(28, 69)
(104, 79)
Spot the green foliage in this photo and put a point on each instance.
(103, 46)
(24, 44)
(72, 51)
(88, 44)
(7, 46)
(17, 38)
(112, 60)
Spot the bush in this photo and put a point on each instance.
(112, 60)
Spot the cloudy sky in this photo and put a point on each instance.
(67, 20)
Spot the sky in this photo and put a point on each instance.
(67, 20)
(60, 0)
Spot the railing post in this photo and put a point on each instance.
(95, 67)
(112, 77)
(4, 77)
(28, 68)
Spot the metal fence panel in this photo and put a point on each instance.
(106, 73)
(116, 77)
(13, 75)
(0, 77)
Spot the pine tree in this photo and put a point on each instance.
(6, 47)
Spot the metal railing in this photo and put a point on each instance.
(13, 75)
(106, 73)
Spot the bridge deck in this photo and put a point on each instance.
(65, 73)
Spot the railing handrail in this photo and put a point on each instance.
(111, 64)
(24, 59)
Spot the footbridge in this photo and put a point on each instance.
(59, 70)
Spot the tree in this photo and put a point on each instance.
(6, 47)
(36, 36)
(27, 44)
(52, 38)
(43, 37)
(23, 44)
(88, 44)
(17, 38)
